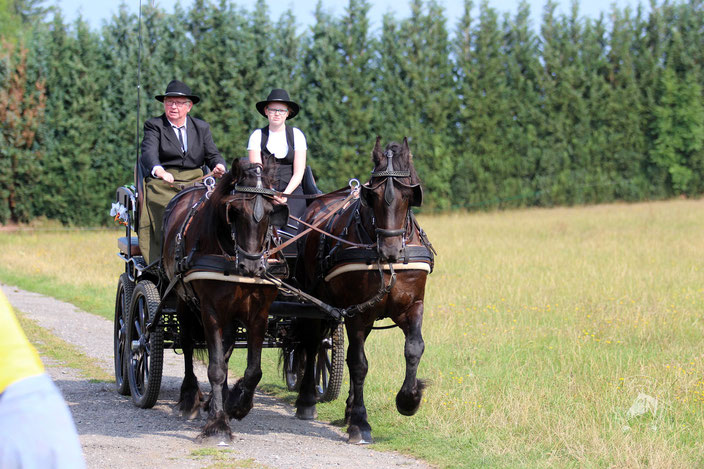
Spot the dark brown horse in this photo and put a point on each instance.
(213, 256)
(383, 244)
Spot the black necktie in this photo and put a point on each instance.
(180, 138)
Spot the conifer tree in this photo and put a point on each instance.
(353, 111)
(565, 110)
(623, 112)
(22, 108)
(522, 138)
(485, 115)
(69, 139)
(679, 131)
(121, 126)
(429, 107)
(337, 95)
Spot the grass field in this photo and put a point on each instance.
(542, 329)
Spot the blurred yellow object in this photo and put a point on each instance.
(18, 357)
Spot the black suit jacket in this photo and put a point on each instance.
(160, 145)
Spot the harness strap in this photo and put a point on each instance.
(330, 235)
(180, 237)
(309, 228)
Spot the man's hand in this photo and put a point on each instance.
(218, 170)
(163, 174)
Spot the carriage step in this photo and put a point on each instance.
(132, 249)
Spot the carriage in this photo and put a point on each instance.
(146, 323)
(365, 254)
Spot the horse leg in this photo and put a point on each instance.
(241, 397)
(191, 397)
(307, 395)
(409, 396)
(359, 430)
(218, 423)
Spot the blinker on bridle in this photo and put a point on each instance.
(259, 190)
(390, 173)
(258, 211)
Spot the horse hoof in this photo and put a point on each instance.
(307, 413)
(214, 440)
(188, 415)
(239, 413)
(359, 437)
(408, 403)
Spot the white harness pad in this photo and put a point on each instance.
(362, 267)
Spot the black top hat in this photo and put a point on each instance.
(279, 96)
(178, 89)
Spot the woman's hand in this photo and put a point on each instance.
(280, 199)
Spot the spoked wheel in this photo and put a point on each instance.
(292, 372)
(125, 288)
(330, 366)
(146, 350)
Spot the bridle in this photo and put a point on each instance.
(258, 193)
(389, 177)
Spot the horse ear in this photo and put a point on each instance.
(406, 148)
(376, 152)
(236, 169)
(279, 216)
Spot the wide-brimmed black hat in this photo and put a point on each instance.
(279, 96)
(178, 89)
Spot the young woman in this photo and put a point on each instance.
(287, 145)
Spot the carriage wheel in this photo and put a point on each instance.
(125, 287)
(146, 350)
(293, 374)
(331, 365)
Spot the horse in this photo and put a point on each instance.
(213, 256)
(372, 249)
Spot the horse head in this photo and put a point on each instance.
(244, 198)
(393, 189)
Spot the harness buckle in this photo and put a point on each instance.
(209, 183)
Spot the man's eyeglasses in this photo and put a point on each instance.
(175, 103)
(277, 112)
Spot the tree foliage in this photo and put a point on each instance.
(499, 112)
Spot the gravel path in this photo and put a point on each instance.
(116, 434)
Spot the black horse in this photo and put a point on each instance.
(381, 255)
(213, 256)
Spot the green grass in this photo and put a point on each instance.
(542, 327)
(61, 352)
(218, 458)
(79, 267)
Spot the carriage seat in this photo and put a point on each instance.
(134, 245)
(308, 184)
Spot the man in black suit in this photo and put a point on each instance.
(174, 148)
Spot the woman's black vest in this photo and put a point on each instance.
(284, 169)
(284, 166)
